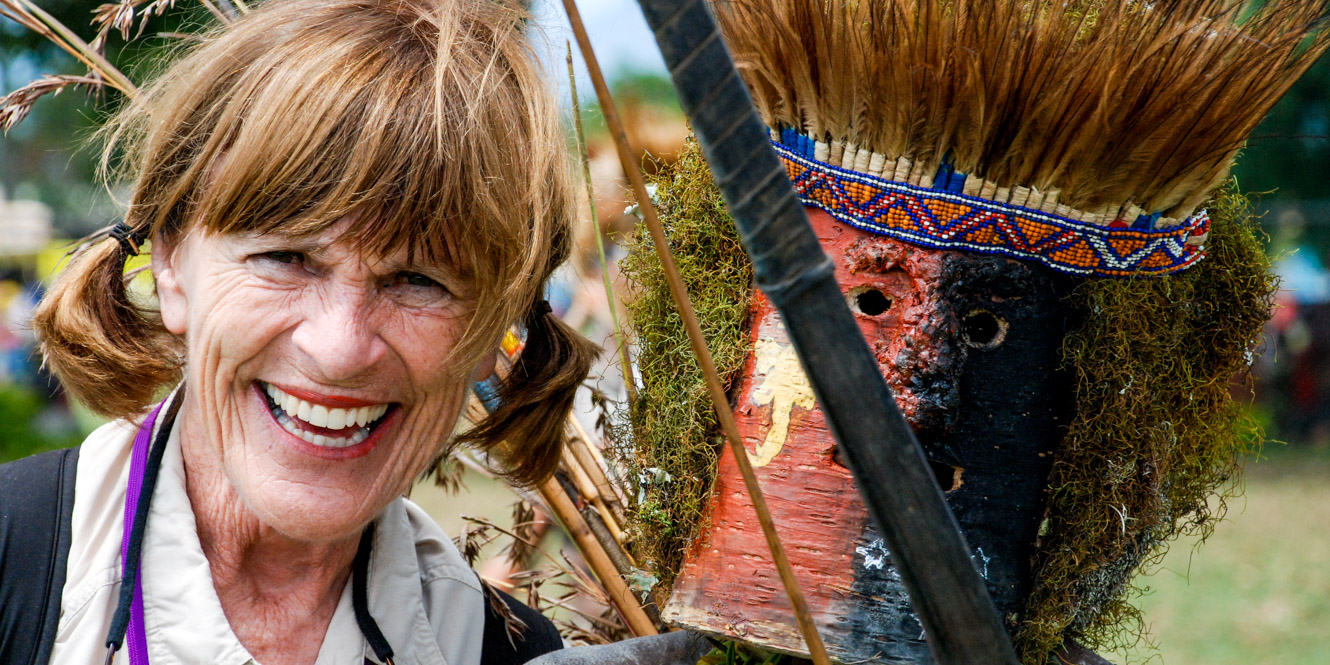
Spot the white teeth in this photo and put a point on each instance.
(290, 407)
(320, 440)
(318, 416)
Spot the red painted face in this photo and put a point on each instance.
(969, 345)
(895, 291)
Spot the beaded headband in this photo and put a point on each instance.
(949, 210)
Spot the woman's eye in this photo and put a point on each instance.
(284, 257)
(417, 279)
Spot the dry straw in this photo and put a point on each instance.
(1107, 101)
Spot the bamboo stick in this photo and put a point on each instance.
(578, 447)
(579, 478)
(621, 500)
(624, 601)
(581, 481)
(587, 453)
(719, 400)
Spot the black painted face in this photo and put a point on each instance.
(970, 345)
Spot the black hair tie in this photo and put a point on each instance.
(541, 308)
(129, 238)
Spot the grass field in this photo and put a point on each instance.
(1258, 591)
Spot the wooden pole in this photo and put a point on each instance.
(624, 600)
(578, 445)
(589, 454)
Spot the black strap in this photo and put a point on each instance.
(537, 637)
(360, 598)
(36, 504)
(115, 637)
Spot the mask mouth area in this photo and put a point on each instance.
(328, 427)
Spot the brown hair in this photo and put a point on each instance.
(427, 123)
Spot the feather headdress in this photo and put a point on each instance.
(1110, 120)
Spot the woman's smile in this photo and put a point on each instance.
(343, 426)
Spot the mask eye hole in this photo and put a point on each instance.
(870, 302)
(981, 329)
(948, 476)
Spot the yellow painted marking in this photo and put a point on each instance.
(781, 383)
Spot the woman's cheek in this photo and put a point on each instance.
(250, 321)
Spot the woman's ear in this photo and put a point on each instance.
(485, 367)
(171, 296)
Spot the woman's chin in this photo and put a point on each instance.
(309, 511)
(314, 519)
(308, 492)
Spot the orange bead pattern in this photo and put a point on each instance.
(946, 220)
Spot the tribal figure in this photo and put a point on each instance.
(1028, 212)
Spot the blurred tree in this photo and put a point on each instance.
(1289, 154)
(22, 430)
(48, 157)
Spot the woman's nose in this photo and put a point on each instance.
(339, 336)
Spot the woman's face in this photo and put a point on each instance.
(316, 387)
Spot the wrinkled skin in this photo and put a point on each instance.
(279, 517)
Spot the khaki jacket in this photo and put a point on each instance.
(425, 598)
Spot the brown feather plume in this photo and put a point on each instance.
(1105, 101)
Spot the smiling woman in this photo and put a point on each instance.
(348, 203)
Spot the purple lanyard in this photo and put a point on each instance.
(136, 505)
(136, 637)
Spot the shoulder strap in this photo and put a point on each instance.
(36, 503)
(499, 647)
